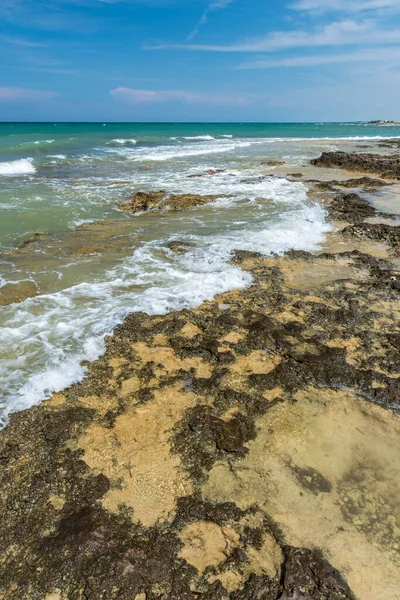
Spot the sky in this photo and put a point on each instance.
(199, 60)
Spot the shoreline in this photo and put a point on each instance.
(229, 451)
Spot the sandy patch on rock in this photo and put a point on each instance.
(169, 362)
(326, 469)
(259, 362)
(136, 456)
(190, 330)
(207, 544)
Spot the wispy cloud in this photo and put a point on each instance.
(217, 4)
(136, 96)
(348, 6)
(388, 56)
(16, 41)
(339, 33)
(15, 94)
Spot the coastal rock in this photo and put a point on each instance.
(389, 234)
(272, 163)
(386, 166)
(365, 183)
(351, 208)
(164, 201)
(180, 247)
(209, 172)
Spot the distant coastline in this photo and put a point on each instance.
(384, 123)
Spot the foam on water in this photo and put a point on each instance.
(122, 142)
(37, 142)
(44, 339)
(198, 137)
(23, 166)
(165, 153)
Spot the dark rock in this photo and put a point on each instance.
(351, 208)
(308, 575)
(180, 247)
(312, 480)
(370, 163)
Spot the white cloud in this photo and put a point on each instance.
(388, 56)
(217, 4)
(136, 96)
(13, 94)
(7, 39)
(339, 33)
(348, 6)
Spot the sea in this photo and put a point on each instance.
(73, 265)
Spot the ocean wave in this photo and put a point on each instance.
(58, 156)
(22, 166)
(122, 142)
(43, 142)
(193, 138)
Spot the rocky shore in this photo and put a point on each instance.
(386, 166)
(247, 449)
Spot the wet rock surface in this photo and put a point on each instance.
(247, 449)
(386, 166)
(366, 183)
(377, 231)
(163, 201)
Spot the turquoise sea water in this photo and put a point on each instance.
(93, 264)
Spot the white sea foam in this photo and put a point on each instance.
(164, 153)
(198, 137)
(58, 156)
(22, 166)
(79, 222)
(44, 339)
(43, 142)
(122, 142)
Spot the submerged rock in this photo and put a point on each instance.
(272, 163)
(17, 292)
(209, 172)
(180, 247)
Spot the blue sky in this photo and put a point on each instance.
(215, 60)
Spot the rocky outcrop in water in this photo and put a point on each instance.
(163, 201)
(386, 166)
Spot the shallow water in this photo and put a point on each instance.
(61, 179)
